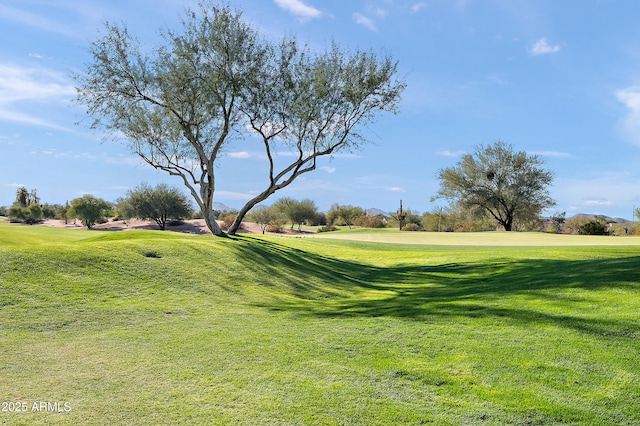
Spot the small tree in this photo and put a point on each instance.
(266, 216)
(89, 209)
(160, 204)
(297, 211)
(510, 186)
(26, 208)
(343, 215)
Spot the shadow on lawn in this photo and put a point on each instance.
(338, 288)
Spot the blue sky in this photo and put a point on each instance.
(560, 79)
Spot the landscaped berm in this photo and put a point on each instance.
(149, 327)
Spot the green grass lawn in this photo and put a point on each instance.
(146, 327)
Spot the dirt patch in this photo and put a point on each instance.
(193, 226)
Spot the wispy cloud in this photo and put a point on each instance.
(365, 22)
(600, 192)
(35, 21)
(31, 84)
(17, 117)
(630, 97)
(597, 202)
(328, 169)
(447, 153)
(240, 154)
(377, 11)
(555, 154)
(20, 83)
(395, 189)
(299, 9)
(417, 7)
(14, 185)
(542, 47)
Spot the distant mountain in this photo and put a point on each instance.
(591, 215)
(377, 212)
(223, 208)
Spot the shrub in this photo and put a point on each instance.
(275, 227)
(594, 227)
(227, 220)
(412, 227)
(327, 228)
(369, 222)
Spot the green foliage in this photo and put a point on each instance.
(24, 198)
(327, 228)
(510, 186)
(412, 227)
(89, 209)
(587, 225)
(297, 211)
(343, 214)
(50, 211)
(267, 217)
(366, 221)
(594, 227)
(26, 208)
(160, 204)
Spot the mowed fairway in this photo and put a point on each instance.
(146, 327)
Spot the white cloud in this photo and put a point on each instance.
(555, 154)
(364, 21)
(611, 193)
(28, 119)
(328, 169)
(299, 9)
(447, 153)
(14, 185)
(240, 154)
(35, 84)
(417, 7)
(630, 97)
(395, 189)
(542, 47)
(597, 202)
(39, 84)
(377, 11)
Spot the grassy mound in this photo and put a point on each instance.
(164, 328)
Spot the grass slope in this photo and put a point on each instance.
(164, 328)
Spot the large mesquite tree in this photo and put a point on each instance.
(507, 185)
(179, 105)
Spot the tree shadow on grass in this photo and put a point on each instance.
(314, 285)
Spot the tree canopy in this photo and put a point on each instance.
(89, 209)
(181, 104)
(26, 208)
(160, 204)
(510, 186)
(343, 214)
(297, 211)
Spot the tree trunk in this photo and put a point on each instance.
(211, 222)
